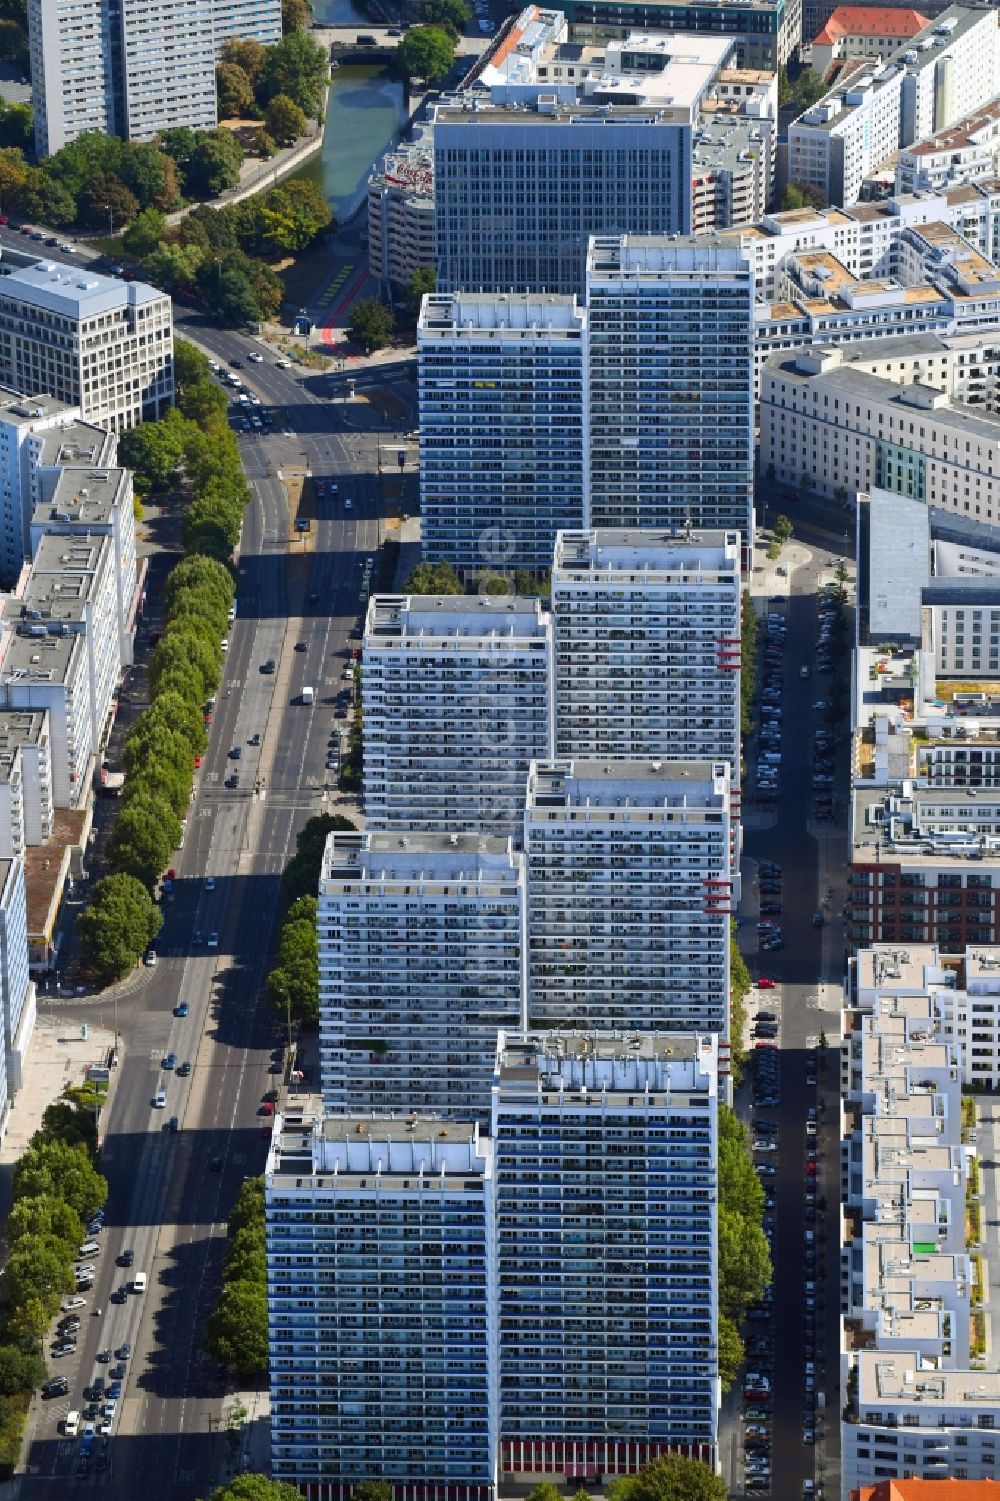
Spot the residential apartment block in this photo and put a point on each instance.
(95, 343)
(935, 78)
(133, 67)
(401, 234)
(17, 990)
(629, 894)
(420, 961)
(967, 151)
(457, 704)
(671, 385)
(919, 1400)
(24, 425)
(607, 1287)
(848, 431)
(382, 1305)
(647, 645)
(27, 810)
(503, 427)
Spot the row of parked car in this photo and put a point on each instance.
(823, 738)
(759, 1338)
(769, 729)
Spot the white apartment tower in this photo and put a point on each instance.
(17, 991)
(420, 962)
(101, 345)
(607, 1246)
(629, 894)
(457, 701)
(25, 423)
(647, 644)
(69, 43)
(503, 427)
(381, 1306)
(670, 330)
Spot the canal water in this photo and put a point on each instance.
(365, 113)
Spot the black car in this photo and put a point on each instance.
(268, 667)
(236, 364)
(56, 1386)
(126, 1258)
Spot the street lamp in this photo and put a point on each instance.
(111, 218)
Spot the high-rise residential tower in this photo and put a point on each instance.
(629, 894)
(420, 962)
(647, 644)
(670, 331)
(606, 1196)
(457, 704)
(503, 427)
(381, 1306)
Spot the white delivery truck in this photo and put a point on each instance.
(308, 695)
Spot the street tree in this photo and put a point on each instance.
(159, 780)
(190, 653)
(246, 1258)
(151, 175)
(372, 1490)
(64, 1121)
(236, 1334)
(153, 451)
(53, 1167)
(235, 92)
(150, 741)
(199, 573)
(145, 233)
(425, 52)
(731, 1351)
(211, 529)
(145, 834)
(295, 15)
(20, 1370)
(285, 120)
(106, 204)
(371, 324)
(255, 1488)
(176, 714)
(301, 874)
(450, 15)
(293, 984)
(45, 1214)
(782, 528)
(248, 1210)
(673, 1477)
(215, 164)
(297, 67)
(117, 926)
(422, 283)
(40, 1266)
(28, 1323)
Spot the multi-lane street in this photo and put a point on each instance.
(170, 1192)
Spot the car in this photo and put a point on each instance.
(224, 644)
(265, 1108)
(117, 1372)
(348, 503)
(83, 1272)
(124, 1350)
(236, 753)
(302, 646)
(95, 1391)
(213, 940)
(120, 1294)
(764, 982)
(160, 1100)
(209, 886)
(767, 1016)
(69, 1325)
(72, 1303)
(104, 1356)
(236, 364)
(817, 919)
(170, 1061)
(332, 765)
(281, 364)
(256, 359)
(268, 667)
(149, 958)
(183, 1070)
(64, 1347)
(56, 1386)
(232, 782)
(254, 738)
(115, 1390)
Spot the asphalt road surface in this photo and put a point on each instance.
(166, 1202)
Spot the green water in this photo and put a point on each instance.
(364, 116)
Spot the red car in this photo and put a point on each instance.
(765, 984)
(266, 1108)
(197, 762)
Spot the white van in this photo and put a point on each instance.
(139, 1282)
(89, 1248)
(71, 1427)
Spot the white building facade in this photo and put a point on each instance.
(647, 645)
(381, 1306)
(629, 894)
(457, 704)
(671, 385)
(17, 991)
(23, 423)
(607, 1289)
(503, 427)
(420, 961)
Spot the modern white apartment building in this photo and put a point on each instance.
(24, 424)
(503, 427)
(382, 1305)
(259, 19)
(401, 234)
(69, 44)
(17, 991)
(101, 345)
(420, 961)
(847, 431)
(85, 503)
(920, 1399)
(937, 77)
(606, 1198)
(27, 810)
(967, 151)
(671, 385)
(166, 53)
(457, 704)
(535, 125)
(647, 645)
(629, 894)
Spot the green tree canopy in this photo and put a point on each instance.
(297, 67)
(731, 1351)
(373, 1490)
(117, 926)
(28, 1323)
(151, 175)
(671, 1478)
(544, 1492)
(255, 1488)
(215, 164)
(246, 53)
(246, 1257)
(145, 233)
(422, 284)
(301, 874)
(450, 15)
(153, 450)
(434, 578)
(20, 1370)
(174, 713)
(295, 15)
(199, 573)
(45, 1214)
(39, 1266)
(426, 52)
(47, 200)
(145, 834)
(285, 120)
(235, 92)
(236, 1334)
(64, 1121)
(248, 1210)
(294, 984)
(183, 649)
(782, 528)
(371, 323)
(106, 204)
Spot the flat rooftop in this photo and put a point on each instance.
(623, 783)
(666, 258)
(83, 498)
(43, 661)
(63, 578)
(18, 728)
(25, 411)
(352, 1153)
(76, 442)
(503, 314)
(647, 551)
(631, 1068)
(454, 620)
(54, 287)
(475, 862)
